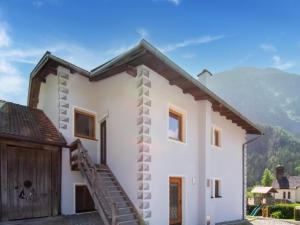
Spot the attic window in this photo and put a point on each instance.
(84, 124)
(216, 137)
(176, 126)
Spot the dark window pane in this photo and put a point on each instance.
(217, 138)
(217, 188)
(175, 128)
(84, 125)
(174, 201)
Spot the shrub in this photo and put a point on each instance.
(276, 215)
(287, 210)
(297, 213)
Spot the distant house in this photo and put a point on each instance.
(287, 187)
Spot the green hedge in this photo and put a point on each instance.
(297, 214)
(286, 211)
(276, 215)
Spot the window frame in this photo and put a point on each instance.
(284, 195)
(213, 193)
(219, 130)
(90, 115)
(289, 195)
(180, 117)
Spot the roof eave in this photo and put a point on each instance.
(144, 44)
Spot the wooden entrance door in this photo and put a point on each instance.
(29, 183)
(84, 201)
(103, 142)
(175, 194)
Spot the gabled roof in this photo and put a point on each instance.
(24, 123)
(263, 190)
(144, 53)
(286, 182)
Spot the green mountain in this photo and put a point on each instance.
(266, 96)
(269, 97)
(277, 146)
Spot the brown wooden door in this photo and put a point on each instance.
(84, 201)
(103, 142)
(175, 194)
(29, 183)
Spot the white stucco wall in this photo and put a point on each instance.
(293, 192)
(195, 160)
(225, 163)
(298, 194)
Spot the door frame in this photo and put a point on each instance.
(74, 196)
(102, 160)
(181, 180)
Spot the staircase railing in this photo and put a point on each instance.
(81, 160)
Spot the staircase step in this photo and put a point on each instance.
(128, 222)
(118, 191)
(115, 198)
(122, 208)
(127, 214)
(104, 188)
(126, 218)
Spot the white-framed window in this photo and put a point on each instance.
(176, 127)
(284, 195)
(289, 195)
(215, 188)
(216, 137)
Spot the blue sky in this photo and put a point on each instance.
(215, 34)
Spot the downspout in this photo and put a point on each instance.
(243, 169)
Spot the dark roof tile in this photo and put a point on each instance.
(287, 182)
(18, 121)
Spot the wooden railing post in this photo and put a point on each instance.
(114, 214)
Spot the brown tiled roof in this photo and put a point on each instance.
(286, 182)
(25, 123)
(263, 190)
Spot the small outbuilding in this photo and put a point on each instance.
(263, 195)
(30, 163)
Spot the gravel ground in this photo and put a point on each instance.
(79, 219)
(271, 222)
(262, 221)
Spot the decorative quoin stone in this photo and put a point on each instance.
(63, 76)
(144, 143)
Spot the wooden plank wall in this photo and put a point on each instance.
(3, 180)
(55, 173)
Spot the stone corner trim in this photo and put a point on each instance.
(144, 143)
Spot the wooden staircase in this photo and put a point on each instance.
(111, 201)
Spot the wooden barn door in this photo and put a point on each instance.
(29, 183)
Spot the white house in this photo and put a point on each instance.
(287, 187)
(174, 146)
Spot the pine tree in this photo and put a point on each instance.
(267, 178)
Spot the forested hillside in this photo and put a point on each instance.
(277, 146)
(270, 97)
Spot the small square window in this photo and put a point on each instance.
(84, 124)
(216, 137)
(175, 131)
